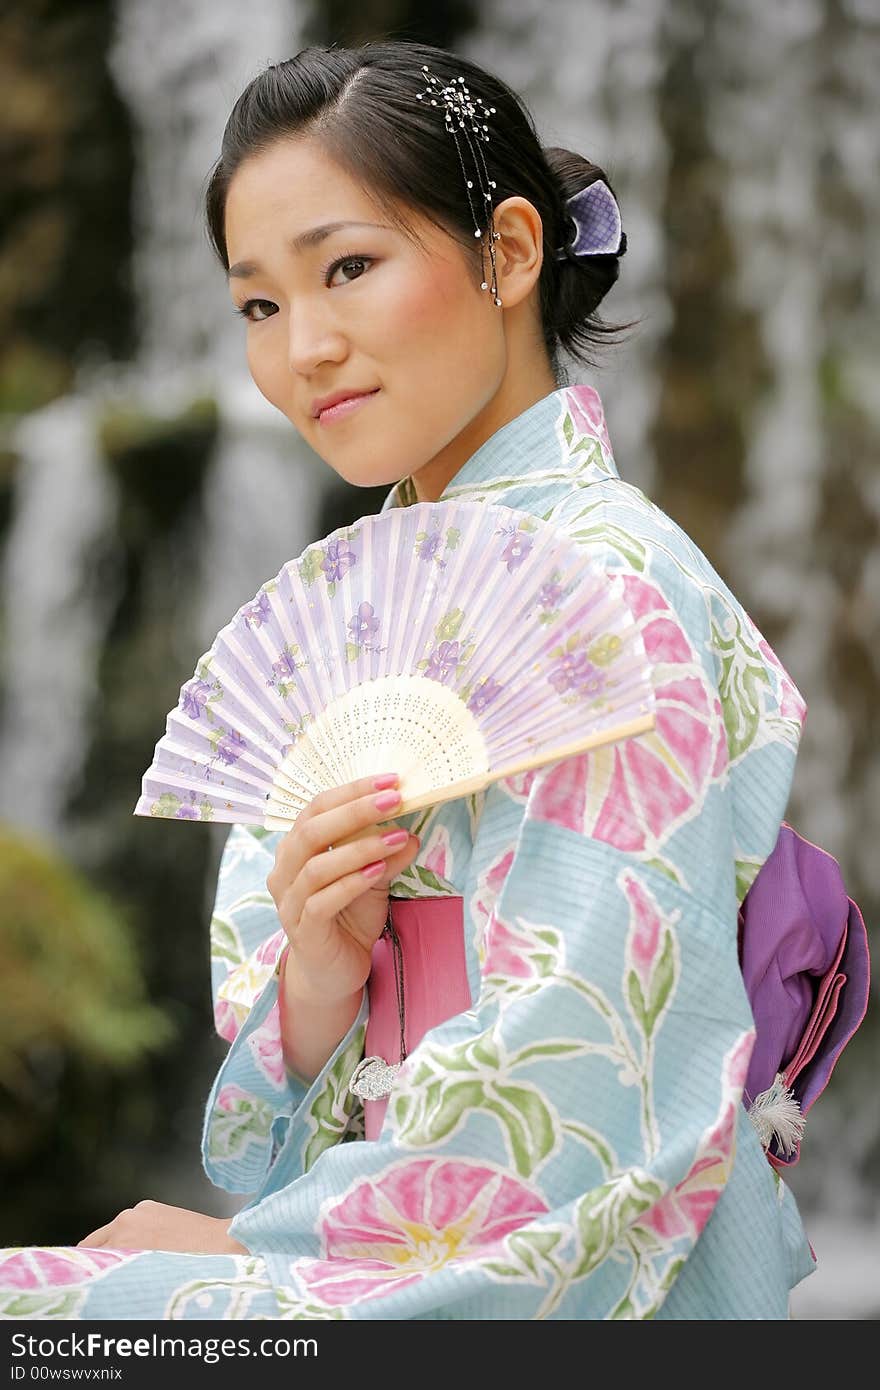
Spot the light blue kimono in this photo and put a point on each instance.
(574, 1145)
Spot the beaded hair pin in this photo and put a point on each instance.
(593, 211)
(461, 114)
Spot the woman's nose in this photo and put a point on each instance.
(311, 340)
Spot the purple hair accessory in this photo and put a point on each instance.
(596, 217)
(806, 968)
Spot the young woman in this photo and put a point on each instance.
(566, 1135)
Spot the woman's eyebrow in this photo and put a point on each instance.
(305, 241)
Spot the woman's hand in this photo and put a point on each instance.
(154, 1226)
(333, 903)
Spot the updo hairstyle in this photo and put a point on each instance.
(360, 105)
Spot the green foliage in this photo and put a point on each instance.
(72, 983)
(66, 293)
(159, 464)
(126, 429)
(30, 377)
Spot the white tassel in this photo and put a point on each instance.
(777, 1116)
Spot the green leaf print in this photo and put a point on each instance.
(245, 1121)
(449, 626)
(544, 965)
(241, 1290)
(743, 677)
(466, 1057)
(485, 1052)
(673, 1269)
(593, 461)
(503, 1271)
(664, 867)
(296, 1309)
(645, 1274)
(533, 1248)
(625, 1310)
(604, 650)
(48, 1303)
(529, 1124)
(662, 981)
(615, 538)
(538, 1051)
(637, 999)
(311, 567)
(436, 1111)
(330, 1112)
(606, 1213)
(568, 429)
(411, 881)
(593, 1141)
(448, 1082)
(746, 872)
(225, 941)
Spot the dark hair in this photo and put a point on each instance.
(360, 104)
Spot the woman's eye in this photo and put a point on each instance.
(257, 309)
(359, 263)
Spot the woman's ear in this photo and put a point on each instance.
(519, 254)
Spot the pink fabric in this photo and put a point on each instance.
(820, 1021)
(431, 934)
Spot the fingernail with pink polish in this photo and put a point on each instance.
(385, 800)
(387, 779)
(395, 837)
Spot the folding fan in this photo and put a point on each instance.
(454, 642)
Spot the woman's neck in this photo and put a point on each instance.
(512, 398)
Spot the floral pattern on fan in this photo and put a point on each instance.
(457, 642)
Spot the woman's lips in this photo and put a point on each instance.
(347, 407)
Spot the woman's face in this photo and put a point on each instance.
(357, 308)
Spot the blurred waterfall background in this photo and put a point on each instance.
(147, 490)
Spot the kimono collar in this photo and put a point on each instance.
(562, 435)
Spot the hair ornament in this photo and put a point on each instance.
(597, 226)
(467, 122)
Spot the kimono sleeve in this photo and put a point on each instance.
(559, 1149)
(254, 1096)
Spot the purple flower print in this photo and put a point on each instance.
(516, 551)
(284, 666)
(442, 662)
(230, 747)
(427, 548)
(576, 672)
(188, 810)
(195, 697)
(338, 560)
(364, 624)
(259, 611)
(549, 595)
(590, 681)
(484, 695)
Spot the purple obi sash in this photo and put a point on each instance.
(804, 957)
(803, 950)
